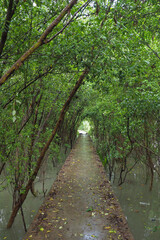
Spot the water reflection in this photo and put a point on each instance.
(1, 216)
(30, 206)
(140, 205)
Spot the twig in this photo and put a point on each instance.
(83, 7)
(152, 50)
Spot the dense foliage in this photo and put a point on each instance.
(117, 41)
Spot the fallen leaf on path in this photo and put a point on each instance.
(89, 209)
(107, 228)
(56, 210)
(112, 231)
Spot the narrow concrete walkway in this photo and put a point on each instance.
(80, 204)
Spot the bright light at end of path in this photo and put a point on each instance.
(82, 132)
(84, 127)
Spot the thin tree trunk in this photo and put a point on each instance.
(2, 167)
(148, 153)
(22, 197)
(10, 12)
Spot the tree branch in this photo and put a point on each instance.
(83, 7)
(39, 43)
(23, 196)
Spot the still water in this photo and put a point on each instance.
(30, 206)
(140, 205)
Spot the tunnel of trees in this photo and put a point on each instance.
(65, 61)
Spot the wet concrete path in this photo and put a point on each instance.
(80, 204)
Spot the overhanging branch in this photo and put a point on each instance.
(39, 43)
